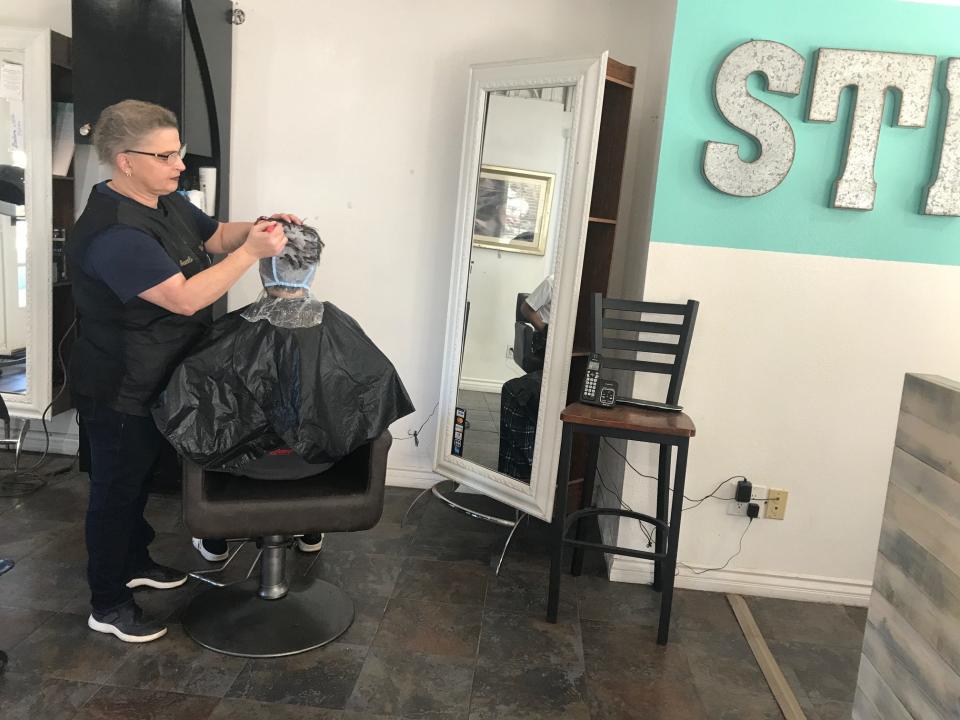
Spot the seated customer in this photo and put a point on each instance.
(282, 388)
(520, 397)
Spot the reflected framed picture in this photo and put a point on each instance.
(513, 209)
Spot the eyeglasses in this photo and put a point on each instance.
(170, 157)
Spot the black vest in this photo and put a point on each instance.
(125, 352)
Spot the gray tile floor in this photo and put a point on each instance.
(437, 636)
(13, 378)
(481, 441)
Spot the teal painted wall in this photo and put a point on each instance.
(796, 216)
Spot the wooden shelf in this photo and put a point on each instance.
(601, 235)
(63, 311)
(621, 74)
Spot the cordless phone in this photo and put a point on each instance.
(596, 390)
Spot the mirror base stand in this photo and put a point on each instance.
(438, 491)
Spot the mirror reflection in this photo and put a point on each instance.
(13, 226)
(510, 290)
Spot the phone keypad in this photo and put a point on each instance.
(590, 388)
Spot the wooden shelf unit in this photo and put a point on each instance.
(61, 84)
(601, 231)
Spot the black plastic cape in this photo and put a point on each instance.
(251, 387)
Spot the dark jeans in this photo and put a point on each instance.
(123, 449)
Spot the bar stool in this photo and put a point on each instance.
(668, 429)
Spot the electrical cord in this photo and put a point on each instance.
(729, 559)
(696, 502)
(606, 487)
(21, 483)
(415, 434)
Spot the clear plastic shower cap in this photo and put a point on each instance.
(296, 265)
(298, 312)
(292, 270)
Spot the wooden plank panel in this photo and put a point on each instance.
(922, 568)
(912, 669)
(910, 666)
(900, 682)
(938, 534)
(874, 699)
(930, 422)
(940, 492)
(936, 625)
(930, 444)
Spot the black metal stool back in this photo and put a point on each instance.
(602, 342)
(668, 430)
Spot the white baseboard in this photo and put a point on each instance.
(412, 477)
(60, 443)
(480, 385)
(788, 586)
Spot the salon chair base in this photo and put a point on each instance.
(235, 620)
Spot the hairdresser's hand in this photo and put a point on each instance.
(265, 239)
(288, 217)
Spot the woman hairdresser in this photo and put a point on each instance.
(143, 284)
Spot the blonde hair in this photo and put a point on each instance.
(124, 124)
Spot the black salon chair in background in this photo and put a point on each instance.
(274, 616)
(529, 345)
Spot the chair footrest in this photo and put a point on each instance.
(617, 550)
(592, 511)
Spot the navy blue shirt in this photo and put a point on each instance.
(129, 260)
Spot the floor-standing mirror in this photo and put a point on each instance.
(25, 220)
(529, 149)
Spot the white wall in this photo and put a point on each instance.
(352, 114)
(530, 135)
(54, 14)
(794, 380)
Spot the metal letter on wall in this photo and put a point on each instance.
(943, 197)
(872, 73)
(722, 166)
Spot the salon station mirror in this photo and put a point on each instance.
(34, 89)
(26, 230)
(530, 145)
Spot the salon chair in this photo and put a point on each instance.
(274, 616)
(525, 352)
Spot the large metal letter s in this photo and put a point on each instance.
(722, 167)
(872, 73)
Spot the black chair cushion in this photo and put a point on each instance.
(347, 497)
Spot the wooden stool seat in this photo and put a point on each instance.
(625, 417)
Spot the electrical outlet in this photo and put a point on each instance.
(736, 508)
(758, 494)
(509, 353)
(776, 504)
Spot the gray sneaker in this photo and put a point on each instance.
(157, 576)
(127, 623)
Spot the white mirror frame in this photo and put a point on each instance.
(38, 188)
(588, 75)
